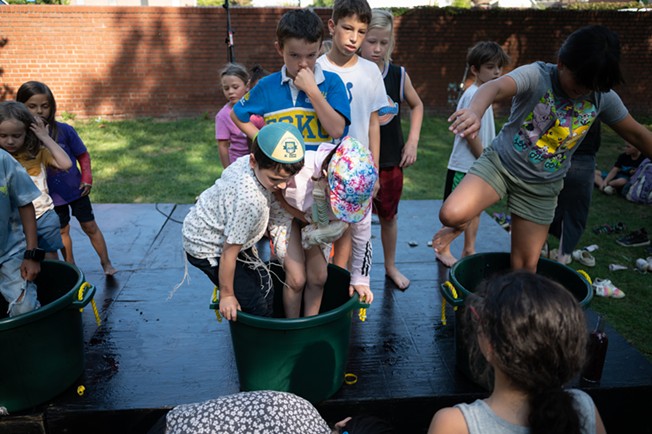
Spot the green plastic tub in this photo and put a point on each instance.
(468, 272)
(46, 345)
(305, 356)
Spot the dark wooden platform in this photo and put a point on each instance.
(152, 353)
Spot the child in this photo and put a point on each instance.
(553, 107)
(19, 253)
(624, 167)
(395, 154)
(366, 93)
(69, 189)
(231, 142)
(35, 150)
(485, 60)
(333, 189)
(232, 215)
(301, 93)
(532, 334)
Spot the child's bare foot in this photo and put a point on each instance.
(108, 269)
(441, 244)
(398, 278)
(446, 257)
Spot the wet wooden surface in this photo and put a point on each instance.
(153, 352)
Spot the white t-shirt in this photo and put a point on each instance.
(462, 158)
(366, 90)
(234, 210)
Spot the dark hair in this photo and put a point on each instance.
(257, 72)
(592, 54)
(348, 8)
(367, 424)
(537, 331)
(300, 24)
(13, 110)
(486, 52)
(264, 162)
(236, 70)
(31, 88)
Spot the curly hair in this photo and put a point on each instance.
(538, 335)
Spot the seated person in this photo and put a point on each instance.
(624, 167)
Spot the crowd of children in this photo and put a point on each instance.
(308, 149)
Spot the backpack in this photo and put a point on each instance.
(639, 186)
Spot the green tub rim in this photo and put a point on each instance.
(67, 301)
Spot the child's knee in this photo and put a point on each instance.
(451, 215)
(295, 281)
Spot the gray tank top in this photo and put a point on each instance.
(480, 419)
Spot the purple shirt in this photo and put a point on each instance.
(225, 129)
(64, 184)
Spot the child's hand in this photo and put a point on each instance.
(305, 80)
(465, 123)
(363, 291)
(29, 269)
(229, 307)
(409, 156)
(40, 128)
(85, 188)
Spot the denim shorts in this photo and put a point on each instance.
(535, 202)
(48, 230)
(12, 286)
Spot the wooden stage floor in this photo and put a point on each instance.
(152, 353)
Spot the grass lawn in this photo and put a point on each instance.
(149, 161)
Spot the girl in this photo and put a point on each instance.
(395, 154)
(532, 334)
(35, 150)
(332, 190)
(553, 107)
(231, 142)
(69, 189)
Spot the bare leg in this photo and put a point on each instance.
(66, 252)
(97, 240)
(470, 234)
(316, 275)
(343, 248)
(388, 235)
(467, 201)
(295, 274)
(527, 240)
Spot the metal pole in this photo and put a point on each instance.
(229, 32)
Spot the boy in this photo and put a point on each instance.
(486, 60)
(232, 215)
(301, 93)
(366, 93)
(19, 256)
(624, 167)
(553, 107)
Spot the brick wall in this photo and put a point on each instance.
(163, 62)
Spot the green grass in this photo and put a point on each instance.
(150, 161)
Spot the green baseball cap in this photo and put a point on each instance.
(282, 142)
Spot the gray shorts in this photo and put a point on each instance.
(535, 202)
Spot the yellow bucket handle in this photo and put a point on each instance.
(450, 286)
(216, 300)
(80, 296)
(585, 275)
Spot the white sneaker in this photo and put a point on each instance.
(584, 257)
(642, 265)
(604, 288)
(609, 190)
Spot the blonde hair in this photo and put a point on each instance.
(383, 20)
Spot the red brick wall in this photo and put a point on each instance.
(163, 62)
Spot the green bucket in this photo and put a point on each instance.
(47, 344)
(468, 272)
(306, 356)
